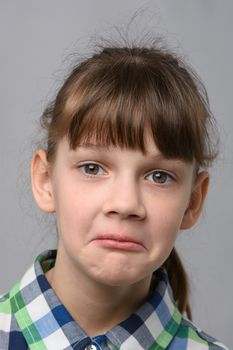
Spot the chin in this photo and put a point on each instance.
(119, 279)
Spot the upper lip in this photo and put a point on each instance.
(118, 237)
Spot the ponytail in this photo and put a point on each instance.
(179, 282)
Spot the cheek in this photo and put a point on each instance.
(167, 219)
(164, 231)
(76, 210)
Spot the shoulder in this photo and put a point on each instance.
(5, 320)
(191, 337)
(10, 335)
(5, 311)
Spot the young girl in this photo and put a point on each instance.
(127, 137)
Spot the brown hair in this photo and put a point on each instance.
(111, 97)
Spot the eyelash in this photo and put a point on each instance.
(82, 168)
(169, 177)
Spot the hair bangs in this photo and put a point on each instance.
(117, 121)
(118, 112)
(120, 97)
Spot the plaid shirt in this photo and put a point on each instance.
(32, 317)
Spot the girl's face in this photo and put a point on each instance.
(119, 211)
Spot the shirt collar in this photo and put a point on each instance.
(46, 323)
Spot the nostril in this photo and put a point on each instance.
(125, 201)
(127, 214)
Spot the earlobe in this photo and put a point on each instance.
(41, 182)
(197, 200)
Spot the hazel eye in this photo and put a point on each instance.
(92, 169)
(160, 177)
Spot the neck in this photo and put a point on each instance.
(95, 306)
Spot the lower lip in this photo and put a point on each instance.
(122, 245)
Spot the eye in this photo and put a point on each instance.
(91, 169)
(160, 177)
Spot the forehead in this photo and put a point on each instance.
(122, 118)
(150, 148)
(150, 154)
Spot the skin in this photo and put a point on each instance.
(117, 222)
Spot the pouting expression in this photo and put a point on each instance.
(118, 210)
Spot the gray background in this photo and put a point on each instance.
(35, 39)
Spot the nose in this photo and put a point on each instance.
(124, 199)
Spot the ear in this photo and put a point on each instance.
(196, 202)
(41, 181)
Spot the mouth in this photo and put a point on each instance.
(120, 242)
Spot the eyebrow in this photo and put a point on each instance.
(94, 147)
(153, 157)
(160, 156)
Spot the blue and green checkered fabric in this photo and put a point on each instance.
(32, 317)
